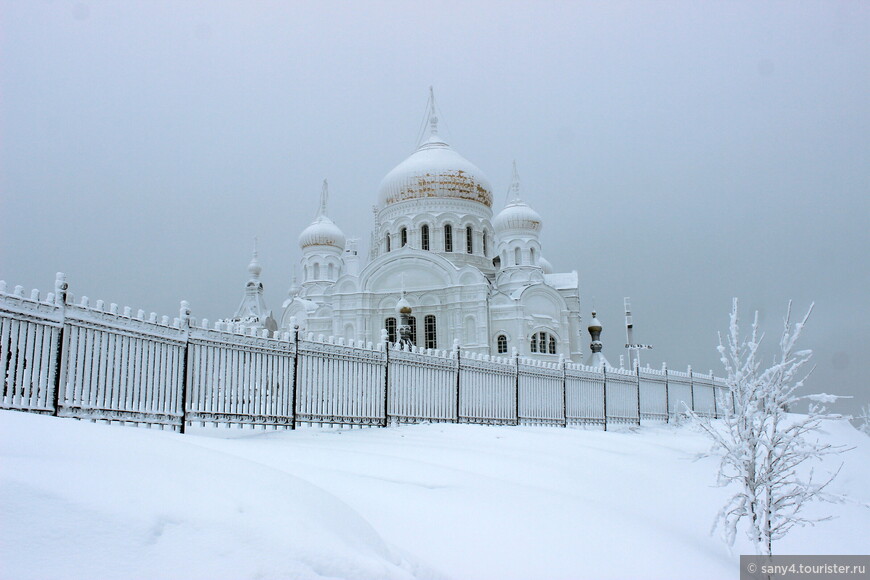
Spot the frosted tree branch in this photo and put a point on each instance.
(762, 448)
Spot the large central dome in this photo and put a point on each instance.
(435, 170)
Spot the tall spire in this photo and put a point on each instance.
(514, 191)
(324, 196)
(254, 267)
(433, 118)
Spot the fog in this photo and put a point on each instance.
(680, 153)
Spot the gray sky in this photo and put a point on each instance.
(681, 153)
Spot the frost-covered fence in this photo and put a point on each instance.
(30, 331)
(541, 393)
(238, 379)
(681, 392)
(421, 385)
(120, 366)
(488, 390)
(653, 394)
(584, 395)
(621, 398)
(105, 363)
(340, 384)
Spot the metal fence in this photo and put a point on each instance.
(109, 364)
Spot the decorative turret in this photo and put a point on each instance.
(322, 245)
(322, 231)
(517, 228)
(517, 216)
(252, 312)
(596, 359)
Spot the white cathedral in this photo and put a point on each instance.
(467, 276)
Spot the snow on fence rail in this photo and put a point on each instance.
(109, 364)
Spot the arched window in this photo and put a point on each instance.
(469, 240)
(501, 342)
(485, 249)
(448, 238)
(430, 331)
(424, 237)
(316, 271)
(532, 252)
(390, 325)
(404, 235)
(517, 256)
(330, 271)
(412, 322)
(388, 242)
(543, 343)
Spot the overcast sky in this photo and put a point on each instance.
(680, 153)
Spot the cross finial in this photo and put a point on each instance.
(433, 118)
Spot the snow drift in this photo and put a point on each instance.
(442, 500)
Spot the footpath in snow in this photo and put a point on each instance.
(81, 500)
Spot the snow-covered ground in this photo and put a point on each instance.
(79, 500)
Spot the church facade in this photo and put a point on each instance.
(469, 276)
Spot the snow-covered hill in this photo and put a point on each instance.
(79, 500)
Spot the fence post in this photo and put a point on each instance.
(184, 316)
(692, 387)
(604, 385)
(458, 352)
(386, 378)
(517, 384)
(637, 375)
(564, 390)
(293, 395)
(61, 353)
(667, 394)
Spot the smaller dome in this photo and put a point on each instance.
(322, 232)
(545, 265)
(517, 215)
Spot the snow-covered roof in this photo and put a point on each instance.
(598, 361)
(562, 280)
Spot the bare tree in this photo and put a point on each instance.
(762, 448)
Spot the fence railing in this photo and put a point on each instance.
(109, 364)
